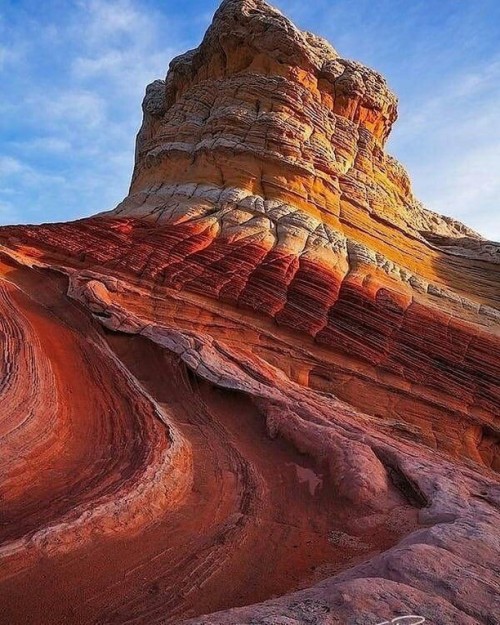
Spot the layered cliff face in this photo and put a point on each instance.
(268, 371)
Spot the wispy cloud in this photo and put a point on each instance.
(9, 166)
(450, 141)
(67, 107)
(116, 18)
(3, 57)
(442, 59)
(121, 45)
(46, 144)
(73, 107)
(8, 56)
(12, 169)
(74, 74)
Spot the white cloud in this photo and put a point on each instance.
(81, 106)
(45, 144)
(3, 57)
(450, 142)
(8, 56)
(78, 104)
(123, 48)
(110, 63)
(9, 166)
(16, 172)
(114, 18)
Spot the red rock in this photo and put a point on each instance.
(269, 374)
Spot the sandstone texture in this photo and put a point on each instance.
(266, 387)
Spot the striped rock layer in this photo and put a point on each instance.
(269, 373)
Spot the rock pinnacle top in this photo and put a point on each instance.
(268, 109)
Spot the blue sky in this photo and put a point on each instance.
(73, 73)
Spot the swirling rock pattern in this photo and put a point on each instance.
(269, 375)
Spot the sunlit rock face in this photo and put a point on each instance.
(268, 374)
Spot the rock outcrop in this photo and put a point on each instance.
(269, 375)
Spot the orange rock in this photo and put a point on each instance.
(269, 370)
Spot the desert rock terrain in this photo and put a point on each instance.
(266, 386)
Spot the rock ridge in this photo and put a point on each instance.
(268, 378)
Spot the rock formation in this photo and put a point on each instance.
(268, 378)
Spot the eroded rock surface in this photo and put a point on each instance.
(268, 378)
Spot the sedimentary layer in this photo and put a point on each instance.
(269, 374)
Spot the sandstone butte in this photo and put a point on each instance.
(266, 386)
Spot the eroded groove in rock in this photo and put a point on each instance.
(105, 462)
(269, 370)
